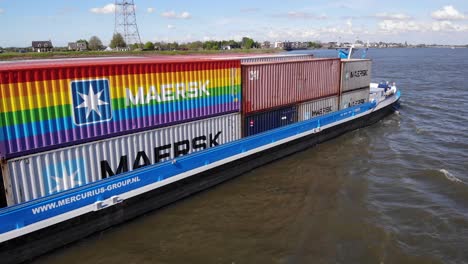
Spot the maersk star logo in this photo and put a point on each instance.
(63, 176)
(91, 102)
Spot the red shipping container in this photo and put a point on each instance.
(274, 84)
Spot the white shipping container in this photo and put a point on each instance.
(309, 110)
(355, 74)
(355, 97)
(42, 174)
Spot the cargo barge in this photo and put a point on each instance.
(88, 144)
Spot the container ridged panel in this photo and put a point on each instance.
(50, 107)
(50, 172)
(277, 58)
(355, 97)
(309, 110)
(265, 58)
(268, 120)
(276, 84)
(355, 74)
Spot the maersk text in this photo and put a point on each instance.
(177, 149)
(167, 93)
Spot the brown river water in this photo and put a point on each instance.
(395, 192)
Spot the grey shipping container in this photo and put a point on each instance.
(309, 110)
(264, 121)
(42, 174)
(355, 97)
(355, 74)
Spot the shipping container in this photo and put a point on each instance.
(266, 57)
(49, 105)
(274, 84)
(42, 174)
(354, 98)
(277, 58)
(309, 110)
(264, 121)
(355, 74)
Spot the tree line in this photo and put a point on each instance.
(118, 42)
(246, 43)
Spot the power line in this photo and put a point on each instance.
(125, 21)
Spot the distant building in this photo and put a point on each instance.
(42, 46)
(346, 45)
(227, 47)
(330, 45)
(288, 45)
(279, 45)
(266, 45)
(77, 46)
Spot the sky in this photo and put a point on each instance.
(413, 21)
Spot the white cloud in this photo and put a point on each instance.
(396, 16)
(107, 9)
(150, 10)
(185, 15)
(301, 15)
(305, 15)
(173, 14)
(448, 13)
(169, 14)
(2, 11)
(448, 26)
(307, 34)
(170, 26)
(391, 26)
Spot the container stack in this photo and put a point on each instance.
(273, 92)
(69, 124)
(355, 82)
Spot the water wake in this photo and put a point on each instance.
(450, 176)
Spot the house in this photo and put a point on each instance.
(77, 46)
(266, 45)
(42, 46)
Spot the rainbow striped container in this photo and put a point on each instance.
(51, 104)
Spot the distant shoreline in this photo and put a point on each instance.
(11, 56)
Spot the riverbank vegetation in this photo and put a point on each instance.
(118, 47)
(83, 54)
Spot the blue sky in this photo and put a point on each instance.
(415, 21)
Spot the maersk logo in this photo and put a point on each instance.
(91, 102)
(63, 176)
(356, 74)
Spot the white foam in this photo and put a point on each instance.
(449, 176)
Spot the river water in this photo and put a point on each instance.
(395, 192)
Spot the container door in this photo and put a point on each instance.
(3, 202)
(288, 116)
